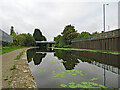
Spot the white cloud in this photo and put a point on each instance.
(51, 16)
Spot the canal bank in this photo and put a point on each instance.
(16, 73)
(90, 50)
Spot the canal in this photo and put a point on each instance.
(73, 69)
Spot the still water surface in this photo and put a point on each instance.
(58, 68)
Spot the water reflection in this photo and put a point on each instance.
(94, 64)
(70, 59)
(37, 54)
(106, 61)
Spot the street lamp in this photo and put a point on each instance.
(104, 16)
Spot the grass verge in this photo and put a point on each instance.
(13, 67)
(101, 51)
(8, 49)
(18, 56)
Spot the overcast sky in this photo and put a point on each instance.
(51, 16)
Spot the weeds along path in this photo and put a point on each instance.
(8, 66)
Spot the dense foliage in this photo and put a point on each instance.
(22, 39)
(26, 39)
(69, 33)
(38, 35)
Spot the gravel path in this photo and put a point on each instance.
(20, 77)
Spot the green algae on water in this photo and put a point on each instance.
(63, 85)
(94, 78)
(72, 83)
(39, 71)
(59, 68)
(85, 85)
(52, 62)
(53, 71)
(75, 72)
(60, 75)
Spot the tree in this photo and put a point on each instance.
(65, 39)
(67, 36)
(84, 34)
(37, 35)
(59, 41)
(94, 33)
(72, 36)
(12, 32)
(44, 38)
(57, 38)
(68, 29)
(29, 41)
(21, 39)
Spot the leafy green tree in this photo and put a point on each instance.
(44, 38)
(62, 42)
(68, 29)
(12, 32)
(67, 36)
(29, 41)
(72, 36)
(65, 39)
(37, 35)
(57, 39)
(94, 33)
(21, 39)
(84, 34)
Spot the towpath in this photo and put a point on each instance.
(20, 77)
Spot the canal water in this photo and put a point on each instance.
(73, 69)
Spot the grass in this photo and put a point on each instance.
(101, 51)
(13, 67)
(10, 81)
(5, 79)
(11, 48)
(18, 56)
(11, 76)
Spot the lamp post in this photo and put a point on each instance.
(104, 16)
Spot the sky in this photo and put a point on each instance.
(51, 16)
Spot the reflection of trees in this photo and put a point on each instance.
(30, 54)
(37, 57)
(69, 61)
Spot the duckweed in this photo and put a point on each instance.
(39, 71)
(52, 62)
(75, 72)
(59, 68)
(94, 78)
(84, 85)
(63, 85)
(60, 75)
